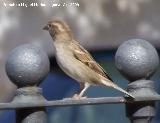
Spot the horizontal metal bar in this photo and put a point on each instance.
(72, 102)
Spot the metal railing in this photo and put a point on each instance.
(28, 65)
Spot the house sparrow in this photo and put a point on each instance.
(77, 62)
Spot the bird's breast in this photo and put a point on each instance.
(73, 67)
(66, 61)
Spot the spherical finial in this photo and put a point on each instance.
(136, 59)
(27, 65)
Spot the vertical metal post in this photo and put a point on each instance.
(141, 112)
(30, 115)
(137, 60)
(27, 66)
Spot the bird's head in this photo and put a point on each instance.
(56, 27)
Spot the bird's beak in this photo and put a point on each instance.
(46, 27)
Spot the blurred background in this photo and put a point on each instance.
(100, 26)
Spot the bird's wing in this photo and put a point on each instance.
(84, 56)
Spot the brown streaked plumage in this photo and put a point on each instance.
(85, 57)
(75, 61)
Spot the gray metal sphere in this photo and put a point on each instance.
(27, 65)
(136, 59)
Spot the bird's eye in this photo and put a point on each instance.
(49, 25)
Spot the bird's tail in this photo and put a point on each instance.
(113, 85)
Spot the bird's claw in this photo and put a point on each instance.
(68, 98)
(78, 97)
(75, 97)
